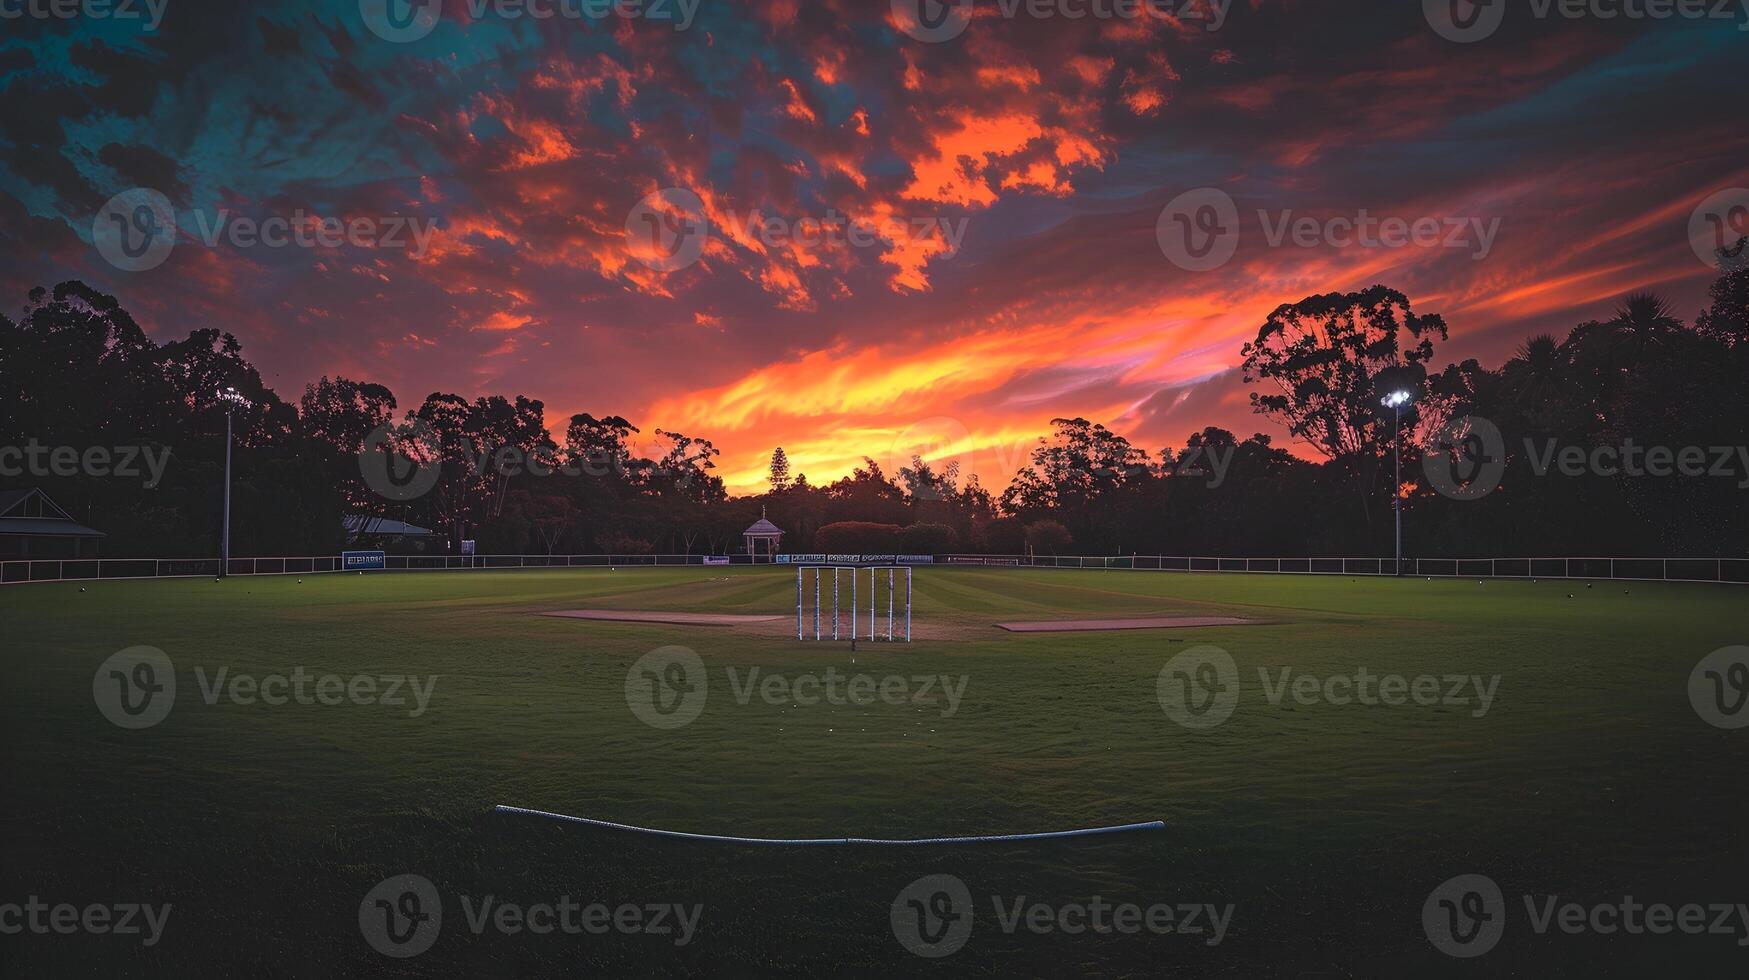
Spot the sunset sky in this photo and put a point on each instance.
(531, 146)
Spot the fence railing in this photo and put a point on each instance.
(1726, 570)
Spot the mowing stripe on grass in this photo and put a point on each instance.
(1086, 832)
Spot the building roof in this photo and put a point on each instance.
(42, 526)
(52, 521)
(361, 524)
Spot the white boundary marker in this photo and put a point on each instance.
(680, 835)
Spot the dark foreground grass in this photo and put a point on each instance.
(1590, 775)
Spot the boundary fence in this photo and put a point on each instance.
(1719, 570)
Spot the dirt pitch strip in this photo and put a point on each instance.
(1095, 625)
(674, 618)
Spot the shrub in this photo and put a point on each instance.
(621, 543)
(1047, 537)
(928, 539)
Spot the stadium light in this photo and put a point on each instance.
(232, 399)
(1396, 400)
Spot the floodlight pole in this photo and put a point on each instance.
(231, 398)
(1396, 400)
(1397, 488)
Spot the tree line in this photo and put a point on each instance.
(1542, 439)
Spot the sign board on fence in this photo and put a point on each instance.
(856, 559)
(469, 546)
(360, 561)
(716, 559)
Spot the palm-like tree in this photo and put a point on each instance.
(1536, 375)
(1643, 320)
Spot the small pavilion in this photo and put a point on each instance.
(762, 530)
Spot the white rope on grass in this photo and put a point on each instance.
(1086, 832)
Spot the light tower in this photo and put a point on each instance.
(232, 400)
(1396, 400)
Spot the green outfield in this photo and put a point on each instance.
(1558, 752)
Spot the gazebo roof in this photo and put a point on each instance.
(762, 526)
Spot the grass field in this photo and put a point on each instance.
(1324, 825)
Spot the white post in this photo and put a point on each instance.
(853, 578)
(816, 603)
(799, 573)
(889, 605)
(907, 605)
(834, 602)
